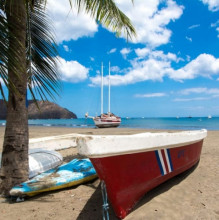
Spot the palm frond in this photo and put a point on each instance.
(107, 13)
(3, 51)
(41, 52)
(7, 52)
(43, 78)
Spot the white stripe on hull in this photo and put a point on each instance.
(167, 159)
(162, 162)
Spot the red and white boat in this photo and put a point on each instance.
(106, 120)
(131, 165)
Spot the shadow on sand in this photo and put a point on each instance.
(93, 207)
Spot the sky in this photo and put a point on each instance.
(170, 69)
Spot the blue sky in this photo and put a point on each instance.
(170, 69)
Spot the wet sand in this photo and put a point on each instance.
(191, 195)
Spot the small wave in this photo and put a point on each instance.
(47, 125)
(83, 125)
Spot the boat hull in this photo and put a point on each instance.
(131, 165)
(128, 177)
(106, 123)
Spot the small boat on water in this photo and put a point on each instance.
(105, 120)
(108, 120)
(131, 165)
(41, 160)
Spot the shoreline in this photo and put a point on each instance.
(163, 123)
(195, 191)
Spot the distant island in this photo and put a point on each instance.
(47, 110)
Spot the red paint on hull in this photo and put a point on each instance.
(129, 177)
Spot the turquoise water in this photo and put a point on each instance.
(148, 123)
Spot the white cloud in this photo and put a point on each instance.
(142, 52)
(188, 58)
(155, 54)
(204, 65)
(189, 39)
(193, 90)
(214, 92)
(190, 99)
(125, 52)
(141, 71)
(210, 93)
(213, 5)
(150, 20)
(217, 29)
(72, 71)
(194, 26)
(216, 26)
(92, 59)
(158, 65)
(112, 51)
(114, 69)
(150, 95)
(68, 23)
(66, 48)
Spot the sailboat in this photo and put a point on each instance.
(105, 120)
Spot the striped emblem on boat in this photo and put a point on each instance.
(164, 161)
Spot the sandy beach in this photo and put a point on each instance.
(191, 195)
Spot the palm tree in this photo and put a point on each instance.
(28, 59)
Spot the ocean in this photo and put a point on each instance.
(194, 123)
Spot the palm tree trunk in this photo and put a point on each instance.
(15, 148)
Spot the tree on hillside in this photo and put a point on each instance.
(28, 59)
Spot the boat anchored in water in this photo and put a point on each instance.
(105, 120)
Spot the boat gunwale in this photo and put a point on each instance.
(88, 144)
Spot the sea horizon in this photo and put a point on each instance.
(161, 123)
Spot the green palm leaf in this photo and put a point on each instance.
(107, 13)
(7, 53)
(41, 50)
(43, 77)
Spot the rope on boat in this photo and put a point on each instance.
(105, 206)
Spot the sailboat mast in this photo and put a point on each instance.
(109, 91)
(101, 88)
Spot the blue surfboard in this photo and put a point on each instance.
(70, 174)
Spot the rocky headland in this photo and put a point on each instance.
(46, 110)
